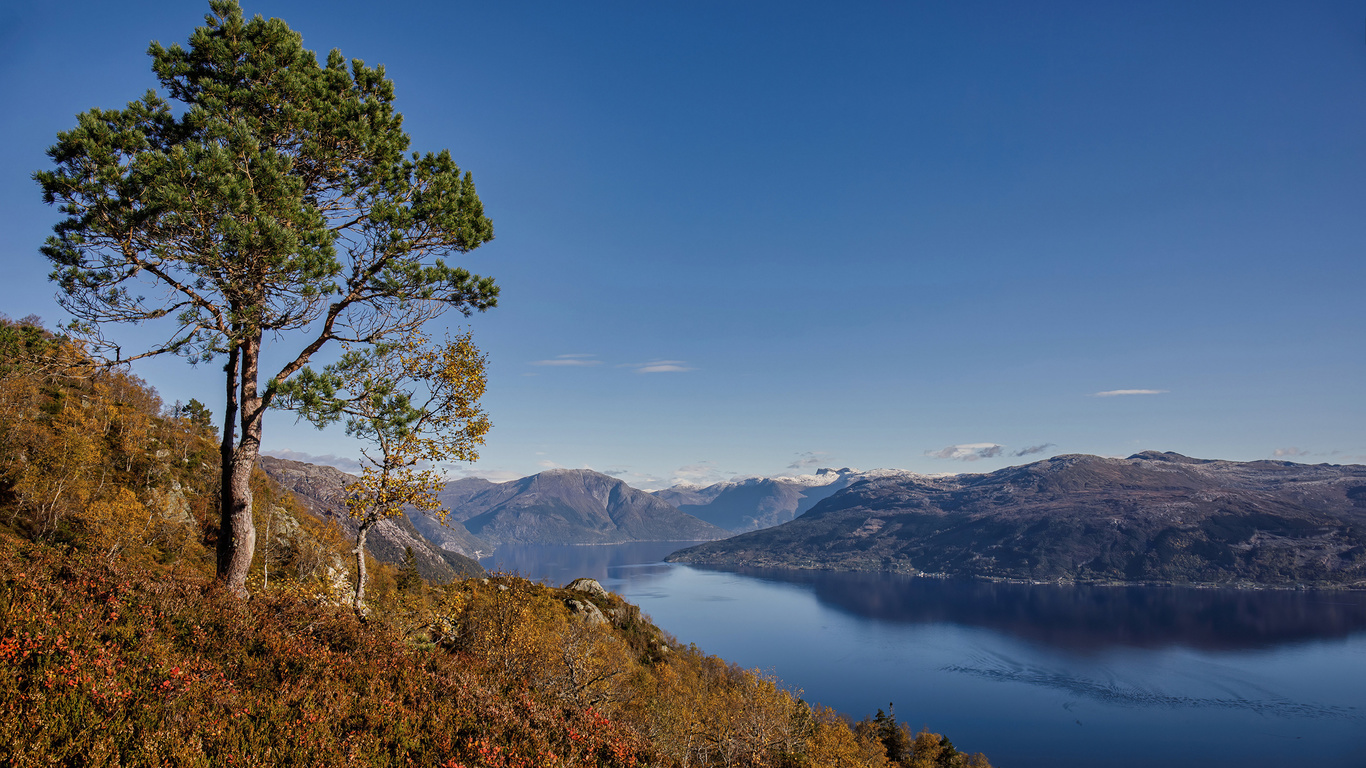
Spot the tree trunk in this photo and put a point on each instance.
(225, 454)
(265, 553)
(359, 602)
(237, 534)
(237, 541)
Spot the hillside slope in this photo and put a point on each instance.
(321, 490)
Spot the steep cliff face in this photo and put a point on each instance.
(1150, 517)
(321, 490)
(569, 506)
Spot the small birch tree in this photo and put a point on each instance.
(413, 405)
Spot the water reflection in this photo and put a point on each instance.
(1092, 618)
(1078, 618)
(558, 565)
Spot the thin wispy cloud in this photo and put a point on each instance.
(810, 460)
(587, 360)
(1033, 449)
(1123, 392)
(491, 475)
(700, 473)
(641, 481)
(576, 360)
(1292, 451)
(968, 452)
(659, 366)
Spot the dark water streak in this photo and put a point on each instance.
(1117, 695)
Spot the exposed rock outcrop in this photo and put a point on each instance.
(587, 586)
(586, 611)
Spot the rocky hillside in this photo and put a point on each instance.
(754, 503)
(566, 506)
(321, 490)
(1158, 517)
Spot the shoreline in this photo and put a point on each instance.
(1060, 582)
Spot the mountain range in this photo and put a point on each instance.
(1159, 517)
(561, 506)
(1152, 517)
(754, 503)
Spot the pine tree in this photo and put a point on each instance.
(893, 735)
(277, 201)
(408, 579)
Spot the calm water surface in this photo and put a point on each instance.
(1031, 675)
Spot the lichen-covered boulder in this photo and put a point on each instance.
(586, 610)
(588, 587)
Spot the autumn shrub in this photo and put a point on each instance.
(831, 742)
(115, 662)
(107, 664)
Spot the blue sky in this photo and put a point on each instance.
(757, 238)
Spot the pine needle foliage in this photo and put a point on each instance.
(259, 199)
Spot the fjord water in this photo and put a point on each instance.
(1032, 675)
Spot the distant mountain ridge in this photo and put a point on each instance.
(565, 506)
(1151, 517)
(754, 503)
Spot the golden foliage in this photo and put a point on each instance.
(414, 405)
(89, 456)
(831, 742)
(296, 553)
(86, 453)
(523, 633)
